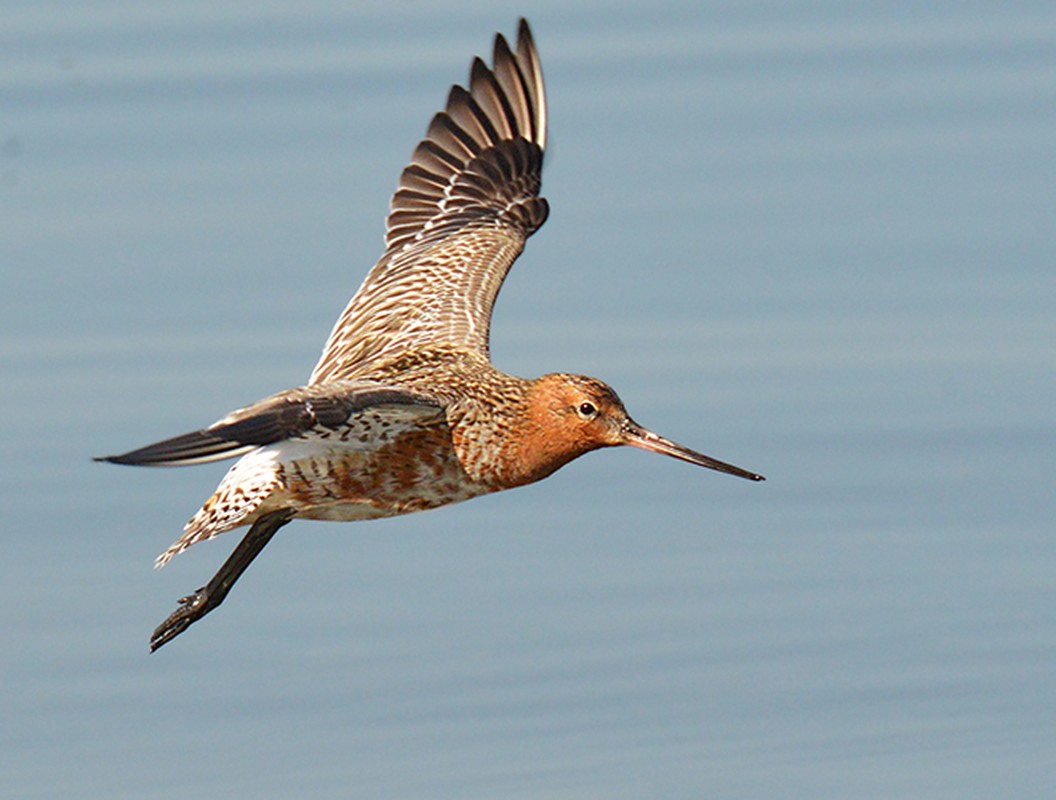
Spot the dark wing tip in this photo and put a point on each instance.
(502, 108)
(190, 448)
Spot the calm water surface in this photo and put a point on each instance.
(810, 238)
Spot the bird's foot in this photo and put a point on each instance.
(192, 608)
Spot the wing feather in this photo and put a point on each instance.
(287, 415)
(461, 214)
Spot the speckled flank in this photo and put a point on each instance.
(418, 470)
(383, 461)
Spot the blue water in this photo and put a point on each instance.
(814, 239)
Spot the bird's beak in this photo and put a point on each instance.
(636, 436)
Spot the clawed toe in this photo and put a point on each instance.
(192, 608)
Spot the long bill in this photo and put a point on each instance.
(637, 436)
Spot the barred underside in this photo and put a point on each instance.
(242, 492)
(347, 459)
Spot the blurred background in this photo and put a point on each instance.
(815, 239)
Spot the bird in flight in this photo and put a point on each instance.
(404, 411)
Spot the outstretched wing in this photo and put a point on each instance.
(287, 415)
(461, 214)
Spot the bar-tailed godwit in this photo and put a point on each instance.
(404, 410)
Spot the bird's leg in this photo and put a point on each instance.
(195, 606)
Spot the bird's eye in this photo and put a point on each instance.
(587, 410)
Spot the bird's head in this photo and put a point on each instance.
(566, 416)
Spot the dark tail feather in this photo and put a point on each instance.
(199, 447)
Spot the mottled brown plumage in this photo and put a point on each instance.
(464, 207)
(404, 410)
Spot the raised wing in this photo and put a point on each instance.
(286, 415)
(464, 207)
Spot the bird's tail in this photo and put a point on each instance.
(247, 491)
